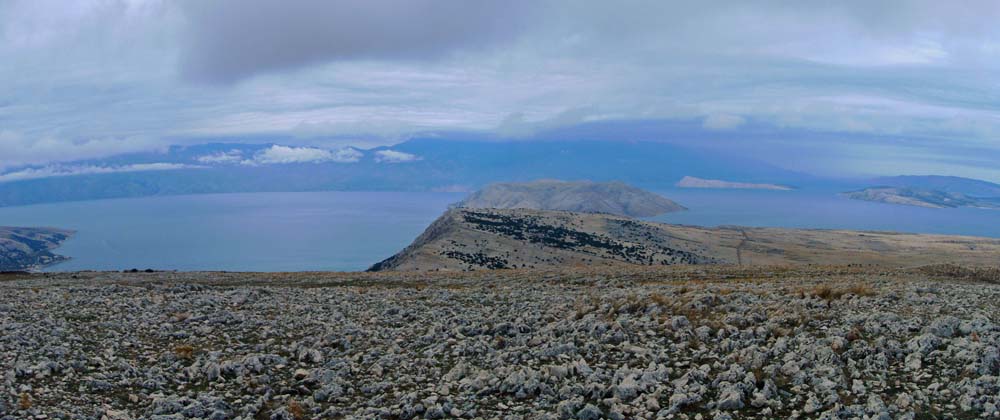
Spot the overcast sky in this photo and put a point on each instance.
(894, 86)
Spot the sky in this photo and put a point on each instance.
(848, 87)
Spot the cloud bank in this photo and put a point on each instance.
(91, 78)
(278, 154)
(60, 171)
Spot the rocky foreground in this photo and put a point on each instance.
(673, 342)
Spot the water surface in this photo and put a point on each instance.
(352, 230)
(237, 232)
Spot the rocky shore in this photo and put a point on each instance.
(668, 342)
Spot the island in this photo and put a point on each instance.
(921, 198)
(30, 249)
(695, 182)
(579, 196)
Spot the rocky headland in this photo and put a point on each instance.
(26, 249)
(474, 239)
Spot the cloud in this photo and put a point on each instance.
(18, 149)
(92, 78)
(231, 157)
(51, 171)
(722, 122)
(392, 156)
(278, 154)
(517, 126)
(229, 40)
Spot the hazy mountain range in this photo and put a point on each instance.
(416, 165)
(427, 164)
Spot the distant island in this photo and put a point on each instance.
(27, 249)
(920, 197)
(950, 184)
(477, 239)
(579, 196)
(694, 182)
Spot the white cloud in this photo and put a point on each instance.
(723, 122)
(392, 156)
(278, 154)
(230, 157)
(52, 171)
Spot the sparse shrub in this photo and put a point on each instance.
(24, 401)
(853, 335)
(659, 299)
(861, 290)
(184, 351)
(825, 292)
(296, 410)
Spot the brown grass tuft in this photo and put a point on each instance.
(24, 401)
(296, 410)
(184, 351)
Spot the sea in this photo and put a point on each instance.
(350, 231)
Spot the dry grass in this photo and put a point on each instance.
(830, 293)
(296, 410)
(184, 351)
(24, 401)
(952, 271)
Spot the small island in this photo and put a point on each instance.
(695, 182)
(30, 249)
(578, 196)
(921, 198)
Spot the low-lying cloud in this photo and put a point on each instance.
(393, 156)
(52, 171)
(278, 154)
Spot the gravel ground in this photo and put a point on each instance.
(681, 343)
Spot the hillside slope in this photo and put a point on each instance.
(470, 239)
(29, 248)
(581, 196)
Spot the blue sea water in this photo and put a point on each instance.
(822, 210)
(237, 232)
(352, 230)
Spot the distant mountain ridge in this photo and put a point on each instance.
(416, 165)
(30, 248)
(579, 196)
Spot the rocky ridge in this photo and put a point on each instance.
(474, 239)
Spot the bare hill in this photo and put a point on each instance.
(464, 239)
(578, 196)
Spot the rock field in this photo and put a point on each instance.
(669, 342)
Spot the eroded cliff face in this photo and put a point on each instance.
(25, 249)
